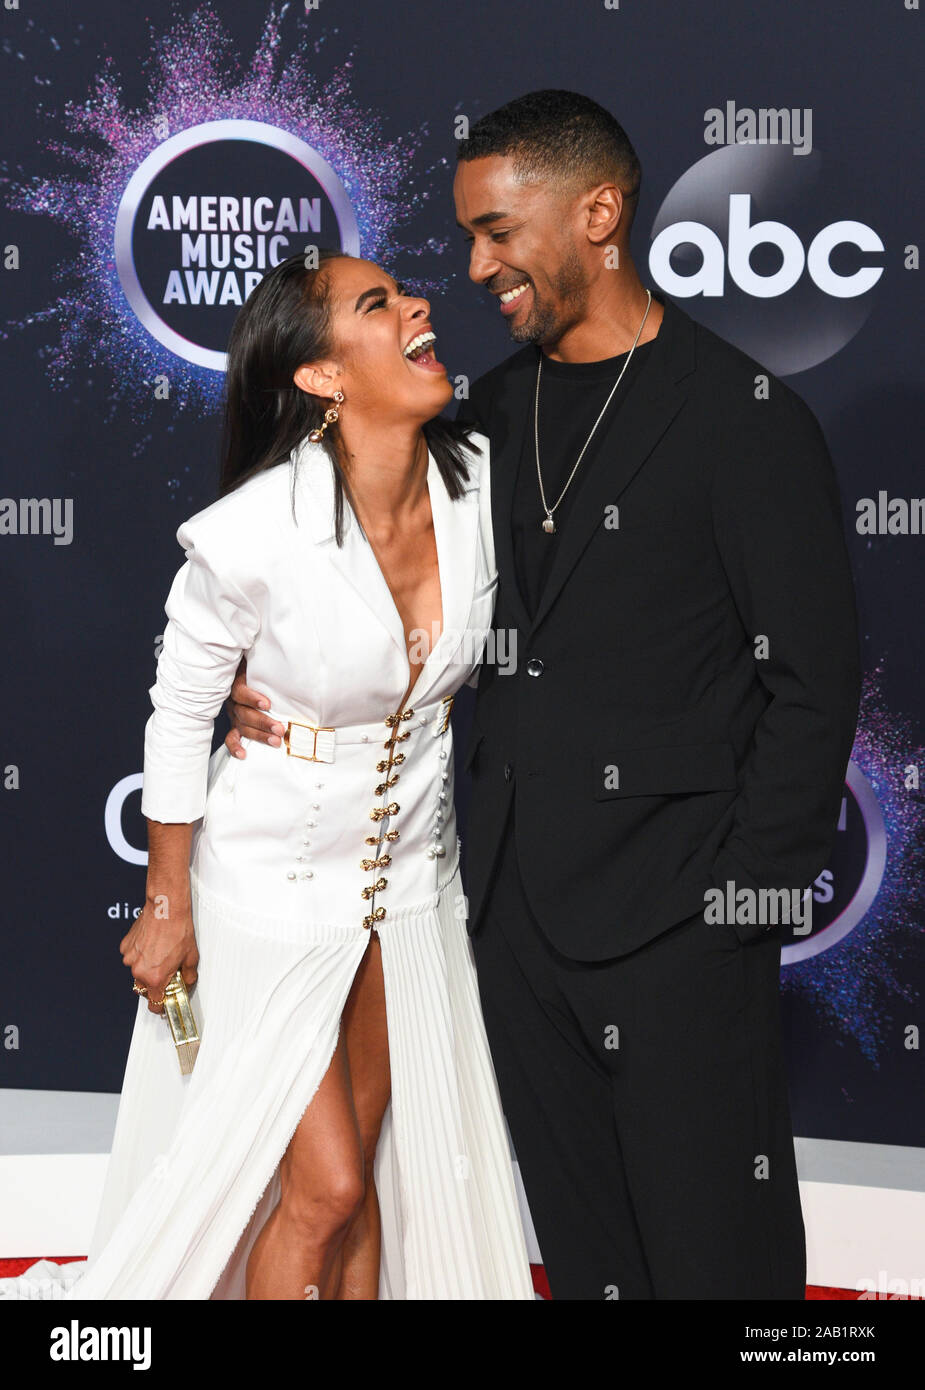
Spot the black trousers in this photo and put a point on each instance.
(648, 1106)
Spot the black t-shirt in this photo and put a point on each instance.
(571, 397)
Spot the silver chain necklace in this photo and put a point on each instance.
(548, 524)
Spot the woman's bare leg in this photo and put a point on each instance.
(364, 1022)
(298, 1254)
(321, 1176)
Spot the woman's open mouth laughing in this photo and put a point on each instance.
(420, 352)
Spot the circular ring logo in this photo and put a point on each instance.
(207, 214)
(844, 892)
(765, 240)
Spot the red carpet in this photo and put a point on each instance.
(10, 1268)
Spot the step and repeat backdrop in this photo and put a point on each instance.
(154, 167)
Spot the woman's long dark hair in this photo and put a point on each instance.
(285, 322)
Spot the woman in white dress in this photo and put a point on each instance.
(341, 1134)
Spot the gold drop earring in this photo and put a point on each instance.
(331, 416)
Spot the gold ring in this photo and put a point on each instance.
(139, 989)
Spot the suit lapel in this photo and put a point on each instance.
(456, 532)
(509, 424)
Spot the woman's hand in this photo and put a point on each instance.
(161, 942)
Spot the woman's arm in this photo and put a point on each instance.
(162, 939)
(214, 616)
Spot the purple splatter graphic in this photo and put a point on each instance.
(858, 984)
(192, 77)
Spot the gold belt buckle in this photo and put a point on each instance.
(324, 754)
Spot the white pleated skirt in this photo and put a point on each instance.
(194, 1169)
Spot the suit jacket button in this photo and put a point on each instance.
(534, 666)
(508, 771)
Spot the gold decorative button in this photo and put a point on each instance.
(380, 813)
(447, 701)
(382, 862)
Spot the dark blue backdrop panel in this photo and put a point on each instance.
(82, 420)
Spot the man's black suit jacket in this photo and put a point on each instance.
(698, 677)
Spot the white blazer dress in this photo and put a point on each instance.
(298, 853)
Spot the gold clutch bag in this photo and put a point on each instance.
(179, 1014)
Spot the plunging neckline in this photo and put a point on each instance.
(432, 473)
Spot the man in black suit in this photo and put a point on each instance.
(680, 719)
(674, 578)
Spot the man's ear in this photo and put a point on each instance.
(605, 213)
(317, 378)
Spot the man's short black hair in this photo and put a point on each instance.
(562, 137)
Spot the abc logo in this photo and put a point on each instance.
(789, 289)
(742, 240)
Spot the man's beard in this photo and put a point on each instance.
(546, 323)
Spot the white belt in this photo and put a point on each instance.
(316, 743)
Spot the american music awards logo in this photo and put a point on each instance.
(180, 202)
(767, 247)
(207, 213)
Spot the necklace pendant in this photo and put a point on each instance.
(549, 525)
